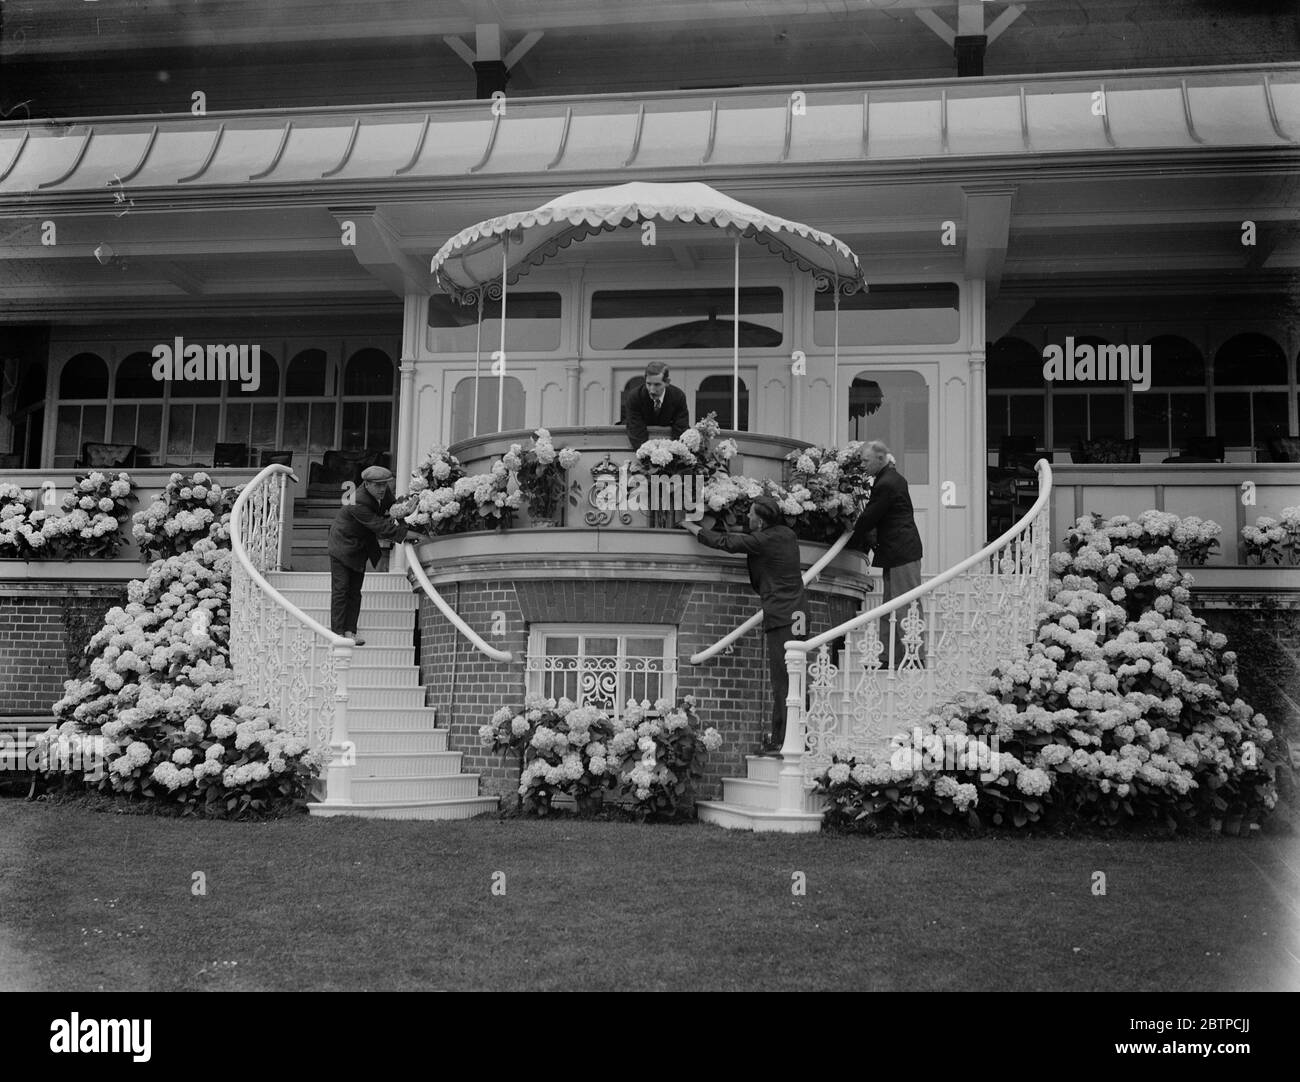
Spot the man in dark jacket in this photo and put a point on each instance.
(354, 538)
(773, 555)
(656, 402)
(897, 543)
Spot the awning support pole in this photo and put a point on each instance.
(501, 372)
(478, 357)
(835, 375)
(735, 343)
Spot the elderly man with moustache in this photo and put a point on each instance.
(354, 538)
(897, 545)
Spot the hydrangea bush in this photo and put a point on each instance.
(1272, 540)
(160, 692)
(827, 489)
(89, 527)
(541, 469)
(192, 507)
(1125, 710)
(647, 755)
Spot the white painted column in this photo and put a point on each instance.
(978, 415)
(414, 318)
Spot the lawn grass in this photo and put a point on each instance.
(92, 900)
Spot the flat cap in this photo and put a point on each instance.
(376, 473)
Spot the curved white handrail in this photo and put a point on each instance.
(809, 577)
(451, 614)
(1044, 469)
(241, 554)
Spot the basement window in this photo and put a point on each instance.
(602, 665)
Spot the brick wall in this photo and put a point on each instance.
(43, 628)
(732, 691)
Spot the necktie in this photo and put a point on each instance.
(657, 403)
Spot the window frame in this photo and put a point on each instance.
(534, 670)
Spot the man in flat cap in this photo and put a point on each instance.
(354, 537)
(773, 556)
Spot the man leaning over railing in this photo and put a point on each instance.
(773, 556)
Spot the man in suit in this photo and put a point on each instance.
(354, 538)
(773, 556)
(656, 402)
(897, 543)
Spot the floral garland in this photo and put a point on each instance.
(90, 526)
(647, 754)
(1126, 709)
(190, 508)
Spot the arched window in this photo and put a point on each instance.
(1017, 399)
(1173, 411)
(715, 396)
(311, 403)
(1257, 407)
(253, 423)
(1094, 409)
(894, 407)
(84, 376)
(462, 406)
(83, 407)
(368, 401)
(137, 407)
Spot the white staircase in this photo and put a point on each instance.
(403, 769)
(750, 803)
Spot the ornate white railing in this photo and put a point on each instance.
(280, 655)
(453, 617)
(809, 577)
(954, 630)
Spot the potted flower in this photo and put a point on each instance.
(542, 471)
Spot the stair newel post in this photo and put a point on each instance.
(343, 753)
(790, 783)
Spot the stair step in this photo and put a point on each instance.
(390, 637)
(388, 698)
(391, 719)
(382, 657)
(760, 795)
(453, 787)
(317, 581)
(404, 764)
(384, 676)
(368, 619)
(397, 741)
(739, 817)
(371, 601)
(464, 808)
(763, 767)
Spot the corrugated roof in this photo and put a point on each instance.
(1221, 107)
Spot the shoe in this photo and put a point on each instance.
(355, 638)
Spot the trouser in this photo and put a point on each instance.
(780, 676)
(898, 581)
(345, 596)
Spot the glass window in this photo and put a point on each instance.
(31, 389)
(135, 378)
(369, 374)
(1249, 360)
(1175, 362)
(532, 324)
(1232, 418)
(602, 666)
(74, 426)
(715, 396)
(462, 406)
(310, 374)
(671, 319)
(84, 376)
(268, 386)
(894, 407)
(629, 389)
(1013, 362)
(911, 313)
